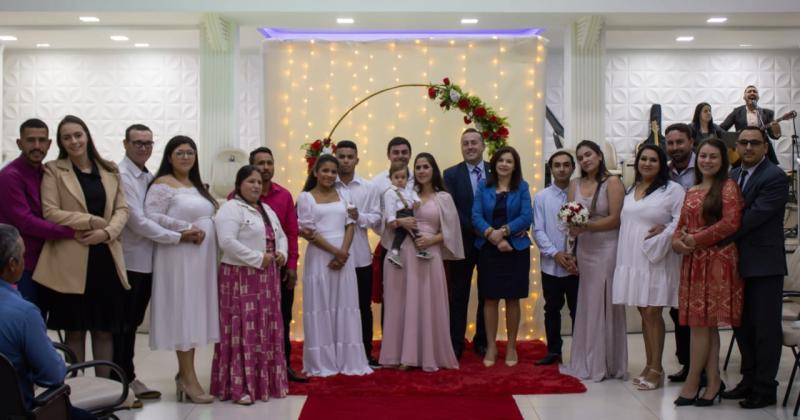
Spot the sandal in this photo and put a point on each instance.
(245, 400)
(645, 385)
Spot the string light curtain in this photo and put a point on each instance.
(310, 83)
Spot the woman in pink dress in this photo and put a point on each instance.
(248, 361)
(416, 323)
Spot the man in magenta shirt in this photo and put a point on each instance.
(20, 186)
(280, 200)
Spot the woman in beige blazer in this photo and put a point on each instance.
(85, 276)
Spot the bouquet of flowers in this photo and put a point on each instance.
(316, 148)
(573, 214)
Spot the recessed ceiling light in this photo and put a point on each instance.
(8, 38)
(469, 21)
(745, 45)
(119, 38)
(141, 45)
(89, 19)
(345, 21)
(42, 45)
(719, 19)
(685, 38)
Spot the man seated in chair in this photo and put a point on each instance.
(23, 337)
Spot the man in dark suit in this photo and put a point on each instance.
(751, 115)
(762, 265)
(461, 182)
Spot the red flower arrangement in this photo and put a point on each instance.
(493, 128)
(316, 148)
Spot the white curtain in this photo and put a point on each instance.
(309, 84)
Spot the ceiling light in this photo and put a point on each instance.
(688, 38)
(43, 45)
(119, 38)
(89, 19)
(8, 38)
(717, 20)
(345, 21)
(469, 21)
(745, 45)
(141, 45)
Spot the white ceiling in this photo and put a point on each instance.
(170, 29)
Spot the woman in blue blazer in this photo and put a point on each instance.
(501, 214)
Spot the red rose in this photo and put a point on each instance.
(480, 112)
(432, 92)
(446, 81)
(326, 142)
(463, 103)
(493, 119)
(443, 104)
(311, 162)
(317, 145)
(485, 134)
(467, 120)
(495, 136)
(502, 132)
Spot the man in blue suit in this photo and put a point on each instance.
(762, 265)
(461, 182)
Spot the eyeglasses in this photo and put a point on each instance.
(185, 154)
(142, 145)
(751, 143)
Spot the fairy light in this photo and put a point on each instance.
(319, 80)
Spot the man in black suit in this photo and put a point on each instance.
(461, 182)
(762, 265)
(751, 115)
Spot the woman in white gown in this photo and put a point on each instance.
(183, 310)
(331, 317)
(647, 270)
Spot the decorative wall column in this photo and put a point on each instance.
(219, 50)
(584, 81)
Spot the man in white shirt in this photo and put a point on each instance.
(559, 279)
(397, 151)
(364, 208)
(138, 239)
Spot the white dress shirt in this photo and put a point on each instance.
(548, 233)
(140, 232)
(242, 234)
(364, 196)
(382, 183)
(393, 203)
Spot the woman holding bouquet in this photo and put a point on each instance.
(646, 275)
(599, 348)
(502, 213)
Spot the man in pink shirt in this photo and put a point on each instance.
(20, 185)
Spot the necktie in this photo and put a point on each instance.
(742, 178)
(478, 176)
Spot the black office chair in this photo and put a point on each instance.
(52, 404)
(99, 396)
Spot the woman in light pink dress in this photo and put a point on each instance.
(416, 323)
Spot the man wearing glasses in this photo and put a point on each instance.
(138, 240)
(762, 265)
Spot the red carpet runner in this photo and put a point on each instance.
(471, 392)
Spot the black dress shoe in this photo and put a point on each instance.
(702, 402)
(740, 392)
(480, 349)
(373, 363)
(679, 376)
(296, 377)
(757, 401)
(548, 360)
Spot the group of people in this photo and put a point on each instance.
(102, 241)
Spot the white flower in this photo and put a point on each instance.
(454, 95)
(327, 150)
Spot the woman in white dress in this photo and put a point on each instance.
(331, 317)
(183, 310)
(647, 270)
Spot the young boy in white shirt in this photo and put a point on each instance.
(398, 203)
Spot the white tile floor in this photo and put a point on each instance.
(610, 399)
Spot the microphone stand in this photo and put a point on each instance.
(793, 193)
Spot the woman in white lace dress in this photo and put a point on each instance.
(183, 310)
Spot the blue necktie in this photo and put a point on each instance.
(478, 176)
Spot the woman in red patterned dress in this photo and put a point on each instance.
(710, 293)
